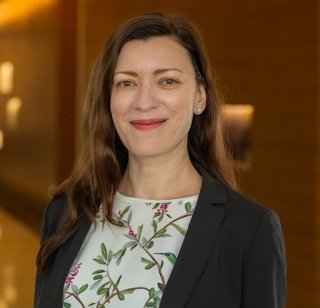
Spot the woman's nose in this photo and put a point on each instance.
(146, 98)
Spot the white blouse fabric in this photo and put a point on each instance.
(129, 265)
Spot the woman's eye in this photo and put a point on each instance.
(125, 84)
(169, 82)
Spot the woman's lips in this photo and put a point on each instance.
(147, 125)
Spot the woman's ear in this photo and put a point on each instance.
(201, 100)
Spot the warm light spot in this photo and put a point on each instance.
(3, 304)
(15, 10)
(1, 146)
(13, 109)
(10, 293)
(238, 121)
(6, 77)
(9, 277)
(241, 114)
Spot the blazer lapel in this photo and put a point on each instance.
(62, 264)
(198, 243)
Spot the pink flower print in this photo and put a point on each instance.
(162, 210)
(157, 213)
(119, 212)
(132, 233)
(164, 207)
(72, 274)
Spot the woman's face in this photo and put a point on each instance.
(154, 96)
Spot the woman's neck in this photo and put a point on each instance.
(160, 179)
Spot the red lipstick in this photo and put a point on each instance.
(147, 124)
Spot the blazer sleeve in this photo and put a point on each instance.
(50, 219)
(44, 234)
(264, 280)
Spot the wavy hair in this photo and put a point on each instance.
(98, 170)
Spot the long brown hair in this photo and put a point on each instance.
(103, 160)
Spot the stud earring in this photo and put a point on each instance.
(199, 110)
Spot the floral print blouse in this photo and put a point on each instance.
(129, 265)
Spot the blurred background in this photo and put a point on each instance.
(266, 55)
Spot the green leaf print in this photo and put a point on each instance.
(75, 289)
(144, 260)
(118, 280)
(83, 288)
(150, 264)
(188, 206)
(97, 277)
(169, 256)
(122, 253)
(95, 285)
(99, 261)
(144, 242)
(154, 226)
(115, 216)
(66, 305)
(129, 217)
(134, 246)
(110, 256)
(140, 231)
(129, 236)
(104, 250)
(129, 244)
(121, 296)
(118, 253)
(161, 231)
(180, 229)
(156, 206)
(152, 292)
(160, 218)
(98, 272)
(150, 244)
(103, 288)
(124, 212)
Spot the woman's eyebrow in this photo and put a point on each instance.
(164, 70)
(156, 72)
(131, 73)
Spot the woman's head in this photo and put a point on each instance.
(205, 142)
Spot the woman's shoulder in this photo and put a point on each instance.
(239, 202)
(56, 206)
(237, 206)
(53, 212)
(248, 214)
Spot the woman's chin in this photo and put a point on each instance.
(147, 151)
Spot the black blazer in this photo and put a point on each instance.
(233, 255)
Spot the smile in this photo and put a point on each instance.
(147, 125)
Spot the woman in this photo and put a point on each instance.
(149, 216)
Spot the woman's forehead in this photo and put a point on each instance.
(156, 52)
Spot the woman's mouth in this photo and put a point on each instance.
(147, 124)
